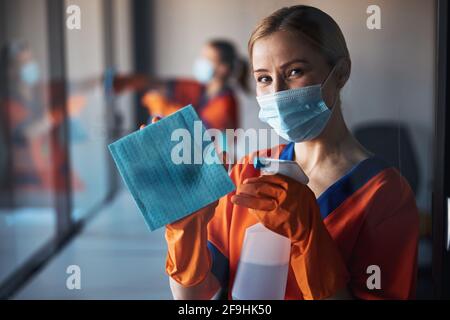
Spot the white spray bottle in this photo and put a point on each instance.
(264, 260)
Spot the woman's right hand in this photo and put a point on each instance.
(188, 260)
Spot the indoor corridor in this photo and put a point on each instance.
(118, 258)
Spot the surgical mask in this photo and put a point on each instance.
(203, 70)
(29, 73)
(297, 114)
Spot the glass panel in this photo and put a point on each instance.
(87, 108)
(28, 151)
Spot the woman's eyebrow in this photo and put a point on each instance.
(284, 65)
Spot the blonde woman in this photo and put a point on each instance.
(355, 212)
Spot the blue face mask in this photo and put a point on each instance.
(29, 73)
(203, 70)
(297, 114)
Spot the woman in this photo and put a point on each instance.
(211, 92)
(355, 213)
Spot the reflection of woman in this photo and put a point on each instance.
(211, 93)
(356, 214)
(30, 121)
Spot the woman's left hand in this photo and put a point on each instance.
(289, 208)
(282, 204)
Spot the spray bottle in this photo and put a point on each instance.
(264, 262)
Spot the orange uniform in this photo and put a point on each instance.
(218, 112)
(370, 213)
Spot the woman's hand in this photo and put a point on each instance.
(188, 261)
(282, 204)
(289, 208)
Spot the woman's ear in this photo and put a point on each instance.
(343, 72)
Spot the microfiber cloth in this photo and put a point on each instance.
(164, 189)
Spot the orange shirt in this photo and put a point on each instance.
(218, 112)
(370, 213)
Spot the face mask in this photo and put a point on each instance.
(29, 73)
(297, 114)
(203, 70)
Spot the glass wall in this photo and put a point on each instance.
(30, 150)
(56, 121)
(88, 124)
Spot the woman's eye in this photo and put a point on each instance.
(264, 79)
(295, 72)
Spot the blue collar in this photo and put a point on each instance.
(288, 152)
(345, 186)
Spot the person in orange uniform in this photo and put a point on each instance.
(211, 92)
(356, 211)
(27, 121)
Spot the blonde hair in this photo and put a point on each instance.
(317, 26)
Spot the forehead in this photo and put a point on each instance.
(208, 51)
(281, 47)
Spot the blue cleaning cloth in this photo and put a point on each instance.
(163, 190)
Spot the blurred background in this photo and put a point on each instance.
(61, 200)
